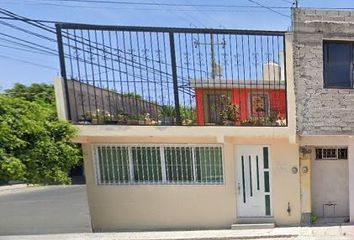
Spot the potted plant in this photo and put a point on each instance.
(85, 118)
(230, 114)
(167, 115)
(187, 115)
(148, 120)
(98, 116)
(121, 118)
(132, 120)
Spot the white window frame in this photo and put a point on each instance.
(96, 165)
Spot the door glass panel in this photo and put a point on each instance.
(265, 158)
(257, 172)
(243, 180)
(267, 205)
(250, 168)
(266, 182)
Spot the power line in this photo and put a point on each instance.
(27, 31)
(27, 62)
(164, 4)
(23, 49)
(29, 42)
(269, 8)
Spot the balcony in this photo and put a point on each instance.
(173, 76)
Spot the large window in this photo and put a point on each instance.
(338, 64)
(158, 164)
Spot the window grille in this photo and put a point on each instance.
(158, 164)
(331, 153)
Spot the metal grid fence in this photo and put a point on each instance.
(172, 76)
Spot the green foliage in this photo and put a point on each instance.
(42, 93)
(230, 112)
(35, 147)
(188, 115)
(167, 111)
(133, 95)
(314, 219)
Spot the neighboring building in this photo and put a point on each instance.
(323, 76)
(255, 98)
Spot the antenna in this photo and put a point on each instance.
(296, 3)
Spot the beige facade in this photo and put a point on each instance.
(197, 206)
(147, 207)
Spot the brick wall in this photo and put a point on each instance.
(320, 111)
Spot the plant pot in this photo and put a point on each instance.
(229, 123)
(111, 122)
(168, 121)
(121, 122)
(132, 122)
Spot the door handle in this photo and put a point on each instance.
(239, 188)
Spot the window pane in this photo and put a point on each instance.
(343, 153)
(179, 164)
(208, 164)
(337, 57)
(147, 164)
(113, 164)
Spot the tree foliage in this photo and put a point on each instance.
(38, 92)
(35, 146)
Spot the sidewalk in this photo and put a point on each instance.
(323, 233)
(15, 187)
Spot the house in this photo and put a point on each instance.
(323, 76)
(255, 99)
(177, 167)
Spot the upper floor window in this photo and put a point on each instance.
(338, 63)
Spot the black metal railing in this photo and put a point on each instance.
(173, 76)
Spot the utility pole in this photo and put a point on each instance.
(214, 65)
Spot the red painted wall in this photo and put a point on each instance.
(241, 97)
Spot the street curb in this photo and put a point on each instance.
(222, 238)
(15, 187)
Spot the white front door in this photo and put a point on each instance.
(253, 181)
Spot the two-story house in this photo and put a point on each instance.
(182, 128)
(201, 128)
(323, 76)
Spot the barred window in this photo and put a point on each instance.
(113, 164)
(158, 164)
(146, 164)
(331, 153)
(179, 164)
(209, 164)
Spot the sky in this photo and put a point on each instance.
(20, 64)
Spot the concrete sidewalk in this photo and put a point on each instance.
(330, 232)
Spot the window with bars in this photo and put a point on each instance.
(158, 164)
(331, 153)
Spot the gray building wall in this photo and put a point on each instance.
(320, 111)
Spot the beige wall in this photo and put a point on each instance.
(330, 184)
(343, 170)
(144, 207)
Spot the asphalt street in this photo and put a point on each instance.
(44, 210)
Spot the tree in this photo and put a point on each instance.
(35, 146)
(36, 92)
